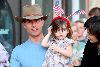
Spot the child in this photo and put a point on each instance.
(59, 45)
(3, 57)
(91, 57)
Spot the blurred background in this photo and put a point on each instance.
(13, 33)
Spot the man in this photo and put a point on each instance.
(30, 53)
(79, 45)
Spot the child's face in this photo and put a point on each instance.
(61, 32)
(91, 37)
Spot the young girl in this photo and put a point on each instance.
(59, 45)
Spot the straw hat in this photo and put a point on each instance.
(31, 12)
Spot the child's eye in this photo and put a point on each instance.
(58, 30)
(64, 29)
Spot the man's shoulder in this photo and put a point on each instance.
(19, 47)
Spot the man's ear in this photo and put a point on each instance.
(24, 25)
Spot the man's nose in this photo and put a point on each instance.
(33, 23)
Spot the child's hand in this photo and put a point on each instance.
(49, 29)
(54, 48)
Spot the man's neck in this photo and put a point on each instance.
(36, 38)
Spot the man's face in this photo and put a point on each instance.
(34, 27)
(80, 28)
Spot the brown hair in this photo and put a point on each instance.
(94, 12)
(58, 22)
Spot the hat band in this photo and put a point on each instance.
(33, 15)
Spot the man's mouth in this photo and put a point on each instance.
(34, 29)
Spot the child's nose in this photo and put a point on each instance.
(60, 31)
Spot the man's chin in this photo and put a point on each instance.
(36, 35)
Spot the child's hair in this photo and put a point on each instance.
(58, 22)
(93, 25)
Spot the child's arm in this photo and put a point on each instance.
(66, 52)
(45, 40)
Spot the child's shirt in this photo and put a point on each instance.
(55, 59)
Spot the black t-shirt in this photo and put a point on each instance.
(90, 57)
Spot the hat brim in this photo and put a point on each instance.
(20, 19)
